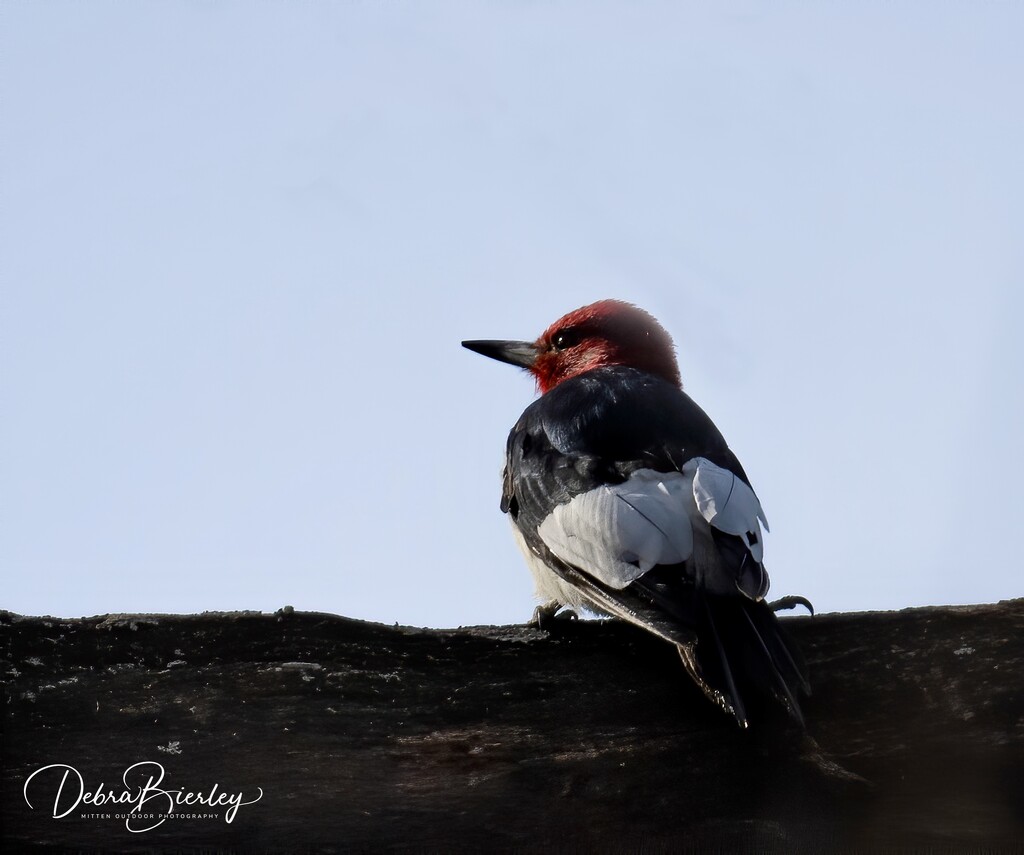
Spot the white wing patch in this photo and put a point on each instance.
(727, 503)
(618, 533)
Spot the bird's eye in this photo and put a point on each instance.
(566, 339)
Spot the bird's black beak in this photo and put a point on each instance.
(521, 353)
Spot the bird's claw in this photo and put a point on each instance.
(547, 616)
(791, 602)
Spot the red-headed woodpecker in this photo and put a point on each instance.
(626, 500)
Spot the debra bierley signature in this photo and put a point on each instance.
(143, 805)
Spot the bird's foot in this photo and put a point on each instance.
(547, 616)
(790, 602)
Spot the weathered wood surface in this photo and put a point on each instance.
(366, 737)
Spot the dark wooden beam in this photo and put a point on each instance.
(366, 737)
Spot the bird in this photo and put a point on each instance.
(626, 501)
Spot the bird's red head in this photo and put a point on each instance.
(609, 332)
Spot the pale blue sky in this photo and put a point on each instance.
(240, 243)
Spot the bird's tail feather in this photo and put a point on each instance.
(743, 656)
(733, 647)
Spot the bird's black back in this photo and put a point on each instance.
(597, 429)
